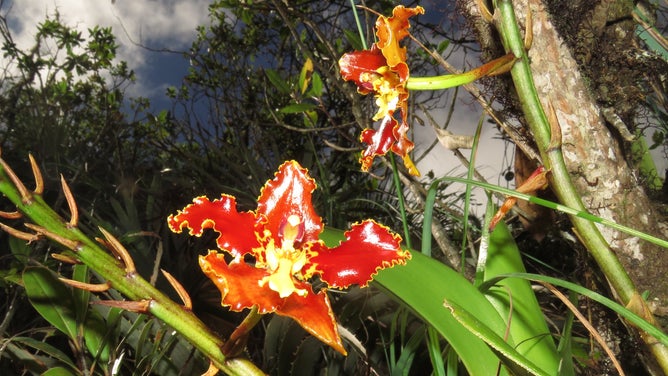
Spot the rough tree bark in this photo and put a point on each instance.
(586, 62)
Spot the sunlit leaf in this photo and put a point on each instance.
(305, 75)
(516, 362)
(59, 371)
(527, 322)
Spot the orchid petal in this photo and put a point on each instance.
(238, 283)
(236, 230)
(239, 288)
(380, 141)
(288, 194)
(314, 313)
(368, 248)
(357, 66)
(390, 31)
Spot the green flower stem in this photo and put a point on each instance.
(237, 340)
(560, 181)
(492, 68)
(133, 286)
(440, 82)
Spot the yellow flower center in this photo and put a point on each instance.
(386, 85)
(285, 262)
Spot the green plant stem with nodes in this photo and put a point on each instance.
(143, 296)
(548, 140)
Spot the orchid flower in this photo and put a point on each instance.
(382, 70)
(275, 251)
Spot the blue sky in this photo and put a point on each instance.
(156, 24)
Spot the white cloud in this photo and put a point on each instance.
(157, 24)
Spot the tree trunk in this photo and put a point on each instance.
(586, 63)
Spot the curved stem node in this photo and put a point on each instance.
(39, 181)
(140, 306)
(92, 287)
(183, 294)
(119, 251)
(18, 234)
(69, 243)
(26, 196)
(74, 212)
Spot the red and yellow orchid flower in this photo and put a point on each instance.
(382, 70)
(275, 251)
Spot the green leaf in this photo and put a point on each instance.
(29, 361)
(527, 323)
(95, 336)
(565, 346)
(423, 284)
(316, 86)
(310, 118)
(408, 353)
(59, 371)
(52, 299)
(516, 362)
(297, 108)
(19, 247)
(633, 318)
(278, 82)
(47, 349)
(354, 39)
(307, 356)
(81, 296)
(442, 46)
